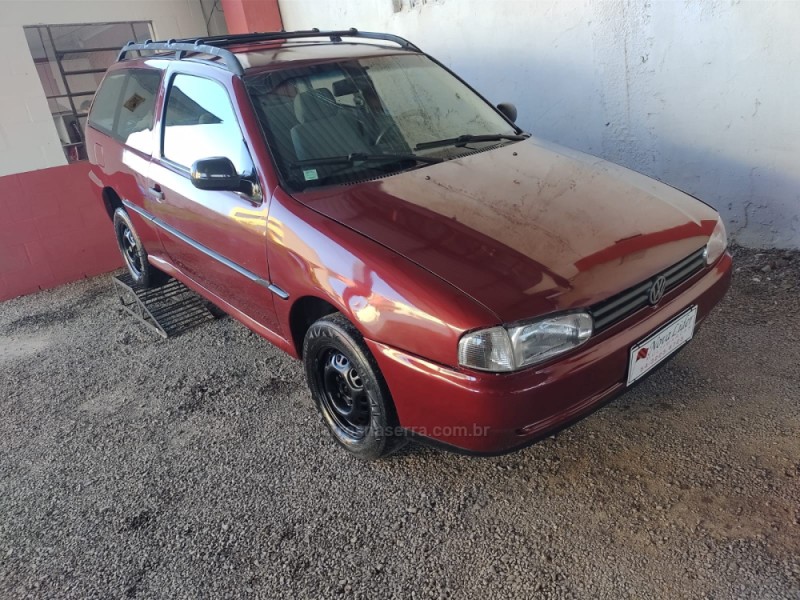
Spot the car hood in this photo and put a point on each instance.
(526, 228)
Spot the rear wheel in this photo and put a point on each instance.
(133, 253)
(349, 390)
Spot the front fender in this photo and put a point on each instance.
(388, 298)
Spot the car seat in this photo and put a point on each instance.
(323, 129)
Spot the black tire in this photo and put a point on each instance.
(133, 253)
(349, 390)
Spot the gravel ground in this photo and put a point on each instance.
(195, 467)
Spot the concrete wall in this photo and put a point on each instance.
(28, 138)
(701, 94)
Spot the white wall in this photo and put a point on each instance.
(701, 94)
(28, 138)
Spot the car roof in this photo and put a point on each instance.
(259, 57)
(247, 53)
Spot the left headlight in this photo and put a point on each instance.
(717, 243)
(503, 349)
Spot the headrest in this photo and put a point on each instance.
(314, 105)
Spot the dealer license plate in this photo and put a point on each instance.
(647, 354)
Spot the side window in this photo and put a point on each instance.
(200, 123)
(104, 108)
(125, 105)
(137, 111)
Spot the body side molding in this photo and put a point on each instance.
(207, 251)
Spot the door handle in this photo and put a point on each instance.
(155, 192)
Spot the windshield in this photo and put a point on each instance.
(341, 122)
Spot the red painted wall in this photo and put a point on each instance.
(247, 16)
(53, 230)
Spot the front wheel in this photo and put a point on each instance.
(349, 390)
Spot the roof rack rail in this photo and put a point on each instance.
(181, 48)
(216, 45)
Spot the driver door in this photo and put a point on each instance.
(218, 238)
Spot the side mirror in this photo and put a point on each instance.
(216, 173)
(509, 110)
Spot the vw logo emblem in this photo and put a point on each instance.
(657, 289)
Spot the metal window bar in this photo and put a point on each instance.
(84, 71)
(56, 96)
(84, 50)
(79, 147)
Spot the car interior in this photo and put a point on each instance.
(321, 113)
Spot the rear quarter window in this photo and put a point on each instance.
(106, 101)
(124, 107)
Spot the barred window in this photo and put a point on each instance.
(71, 61)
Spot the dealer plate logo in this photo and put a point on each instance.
(649, 353)
(657, 290)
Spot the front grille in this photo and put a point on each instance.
(619, 306)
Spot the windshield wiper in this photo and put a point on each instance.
(356, 157)
(463, 140)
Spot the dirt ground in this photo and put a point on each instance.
(132, 466)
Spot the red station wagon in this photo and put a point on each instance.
(441, 273)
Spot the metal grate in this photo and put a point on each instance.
(169, 309)
(620, 306)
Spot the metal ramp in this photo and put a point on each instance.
(169, 309)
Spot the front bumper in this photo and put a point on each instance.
(485, 413)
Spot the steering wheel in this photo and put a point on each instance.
(414, 113)
(382, 133)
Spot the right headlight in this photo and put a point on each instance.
(503, 349)
(717, 243)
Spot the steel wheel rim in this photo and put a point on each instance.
(344, 398)
(130, 250)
